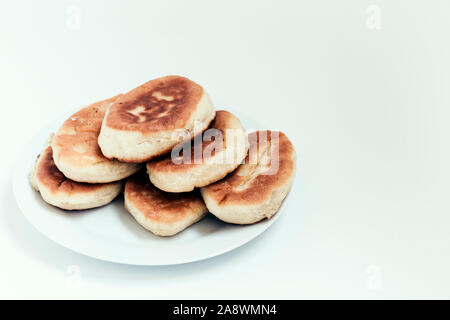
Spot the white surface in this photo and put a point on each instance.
(111, 234)
(368, 113)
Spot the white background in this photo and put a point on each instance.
(367, 110)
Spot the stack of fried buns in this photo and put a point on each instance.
(174, 156)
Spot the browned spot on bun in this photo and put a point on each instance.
(54, 180)
(161, 104)
(247, 185)
(160, 206)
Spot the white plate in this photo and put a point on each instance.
(110, 233)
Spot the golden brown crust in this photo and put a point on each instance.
(160, 206)
(162, 104)
(220, 124)
(54, 180)
(246, 185)
(77, 137)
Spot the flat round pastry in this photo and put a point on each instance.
(67, 194)
(223, 148)
(76, 152)
(257, 188)
(164, 214)
(145, 122)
